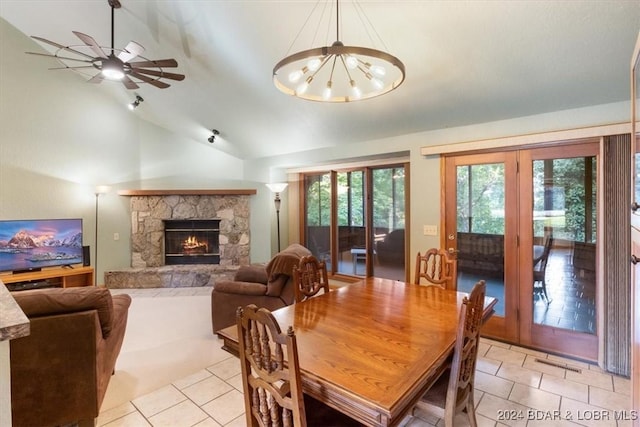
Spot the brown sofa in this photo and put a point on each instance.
(60, 372)
(269, 286)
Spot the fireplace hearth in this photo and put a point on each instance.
(193, 241)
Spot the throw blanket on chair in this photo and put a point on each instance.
(285, 261)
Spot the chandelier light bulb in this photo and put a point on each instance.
(377, 83)
(304, 86)
(295, 76)
(314, 64)
(378, 70)
(355, 90)
(352, 62)
(326, 93)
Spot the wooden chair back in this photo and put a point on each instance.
(452, 392)
(272, 389)
(310, 277)
(465, 353)
(437, 268)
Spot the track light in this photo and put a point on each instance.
(212, 138)
(135, 103)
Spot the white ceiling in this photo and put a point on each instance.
(467, 62)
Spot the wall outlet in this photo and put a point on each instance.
(116, 236)
(430, 230)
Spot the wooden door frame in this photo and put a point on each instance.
(504, 328)
(582, 345)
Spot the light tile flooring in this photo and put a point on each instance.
(512, 388)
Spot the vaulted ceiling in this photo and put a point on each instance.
(467, 62)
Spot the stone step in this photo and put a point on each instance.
(169, 276)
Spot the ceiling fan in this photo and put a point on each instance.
(111, 63)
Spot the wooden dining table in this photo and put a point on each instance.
(371, 349)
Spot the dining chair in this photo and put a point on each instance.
(271, 376)
(310, 277)
(452, 392)
(540, 270)
(437, 268)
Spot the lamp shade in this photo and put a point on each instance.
(277, 187)
(102, 189)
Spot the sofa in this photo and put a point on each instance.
(270, 286)
(61, 370)
(482, 254)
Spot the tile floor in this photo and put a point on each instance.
(512, 388)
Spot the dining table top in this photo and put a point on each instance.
(372, 348)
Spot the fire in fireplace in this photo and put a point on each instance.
(193, 241)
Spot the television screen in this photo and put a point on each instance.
(27, 245)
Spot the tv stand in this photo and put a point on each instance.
(52, 277)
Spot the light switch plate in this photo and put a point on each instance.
(430, 230)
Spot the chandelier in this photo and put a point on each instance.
(338, 73)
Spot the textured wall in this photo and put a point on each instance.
(147, 226)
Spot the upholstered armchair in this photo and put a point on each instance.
(60, 371)
(270, 286)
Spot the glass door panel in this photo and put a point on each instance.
(480, 231)
(388, 231)
(564, 251)
(558, 250)
(351, 231)
(317, 207)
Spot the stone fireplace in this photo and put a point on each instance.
(153, 211)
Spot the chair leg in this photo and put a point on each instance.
(471, 413)
(544, 292)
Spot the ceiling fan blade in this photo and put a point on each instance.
(130, 51)
(153, 82)
(58, 45)
(89, 41)
(59, 57)
(128, 83)
(162, 74)
(162, 63)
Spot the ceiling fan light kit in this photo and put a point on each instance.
(116, 65)
(338, 73)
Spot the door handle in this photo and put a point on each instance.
(634, 259)
(635, 206)
(453, 251)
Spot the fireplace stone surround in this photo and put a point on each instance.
(150, 208)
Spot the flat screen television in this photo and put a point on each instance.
(30, 245)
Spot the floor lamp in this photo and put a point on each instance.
(100, 189)
(277, 188)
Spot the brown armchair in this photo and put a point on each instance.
(269, 286)
(60, 371)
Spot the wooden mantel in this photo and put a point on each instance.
(232, 192)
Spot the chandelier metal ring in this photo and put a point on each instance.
(323, 73)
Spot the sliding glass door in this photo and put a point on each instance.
(354, 220)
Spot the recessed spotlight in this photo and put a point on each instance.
(135, 103)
